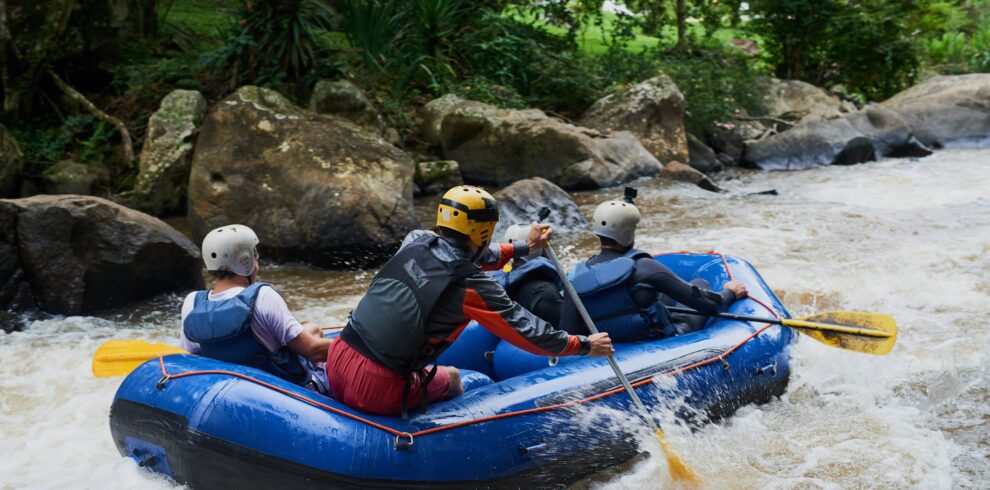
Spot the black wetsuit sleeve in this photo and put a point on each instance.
(541, 298)
(664, 281)
(570, 319)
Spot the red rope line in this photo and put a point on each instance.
(315, 403)
(719, 358)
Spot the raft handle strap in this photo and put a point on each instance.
(160, 385)
(402, 444)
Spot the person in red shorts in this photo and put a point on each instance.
(422, 299)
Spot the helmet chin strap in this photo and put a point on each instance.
(477, 254)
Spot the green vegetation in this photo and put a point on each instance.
(558, 56)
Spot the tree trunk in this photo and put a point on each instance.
(681, 24)
(21, 71)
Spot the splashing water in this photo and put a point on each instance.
(910, 238)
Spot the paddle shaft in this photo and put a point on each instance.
(787, 322)
(591, 326)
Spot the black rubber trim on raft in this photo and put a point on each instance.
(203, 461)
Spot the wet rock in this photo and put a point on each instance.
(684, 173)
(15, 290)
(857, 150)
(11, 163)
(436, 110)
(821, 142)
(344, 99)
(727, 142)
(84, 254)
(499, 146)
(701, 157)
(522, 201)
(167, 153)
(797, 101)
(652, 110)
(68, 177)
(436, 177)
(315, 187)
(947, 109)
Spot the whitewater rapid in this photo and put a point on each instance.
(910, 238)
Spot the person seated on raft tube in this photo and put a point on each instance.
(421, 300)
(246, 322)
(533, 281)
(626, 290)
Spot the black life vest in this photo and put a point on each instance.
(391, 322)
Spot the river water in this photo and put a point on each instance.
(910, 238)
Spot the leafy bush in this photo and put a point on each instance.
(272, 42)
(715, 83)
(949, 52)
(867, 46)
(82, 137)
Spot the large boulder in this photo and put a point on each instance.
(314, 187)
(522, 201)
(652, 110)
(434, 112)
(15, 290)
(84, 254)
(821, 142)
(797, 101)
(344, 99)
(167, 153)
(947, 109)
(499, 146)
(11, 163)
(68, 177)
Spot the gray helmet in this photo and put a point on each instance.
(519, 233)
(616, 220)
(230, 248)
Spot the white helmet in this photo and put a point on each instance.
(230, 248)
(519, 233)
(616, 220)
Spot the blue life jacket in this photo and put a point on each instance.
(606, 290)
(223, 331)
(534, 267)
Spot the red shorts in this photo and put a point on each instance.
(361, 383)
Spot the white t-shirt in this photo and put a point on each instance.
(272, 322)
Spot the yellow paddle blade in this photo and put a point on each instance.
(871, 333)
(120, 357)
(678, 470)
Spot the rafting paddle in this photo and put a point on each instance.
(678, 470)
(120, 357)
(871, 333)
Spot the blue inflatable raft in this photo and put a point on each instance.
(211, 424)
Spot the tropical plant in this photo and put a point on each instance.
(273, 40)
(868, 46)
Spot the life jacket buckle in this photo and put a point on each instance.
(401, 443)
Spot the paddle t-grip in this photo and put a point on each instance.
(543, 214)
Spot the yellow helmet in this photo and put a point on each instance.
(469, 210)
